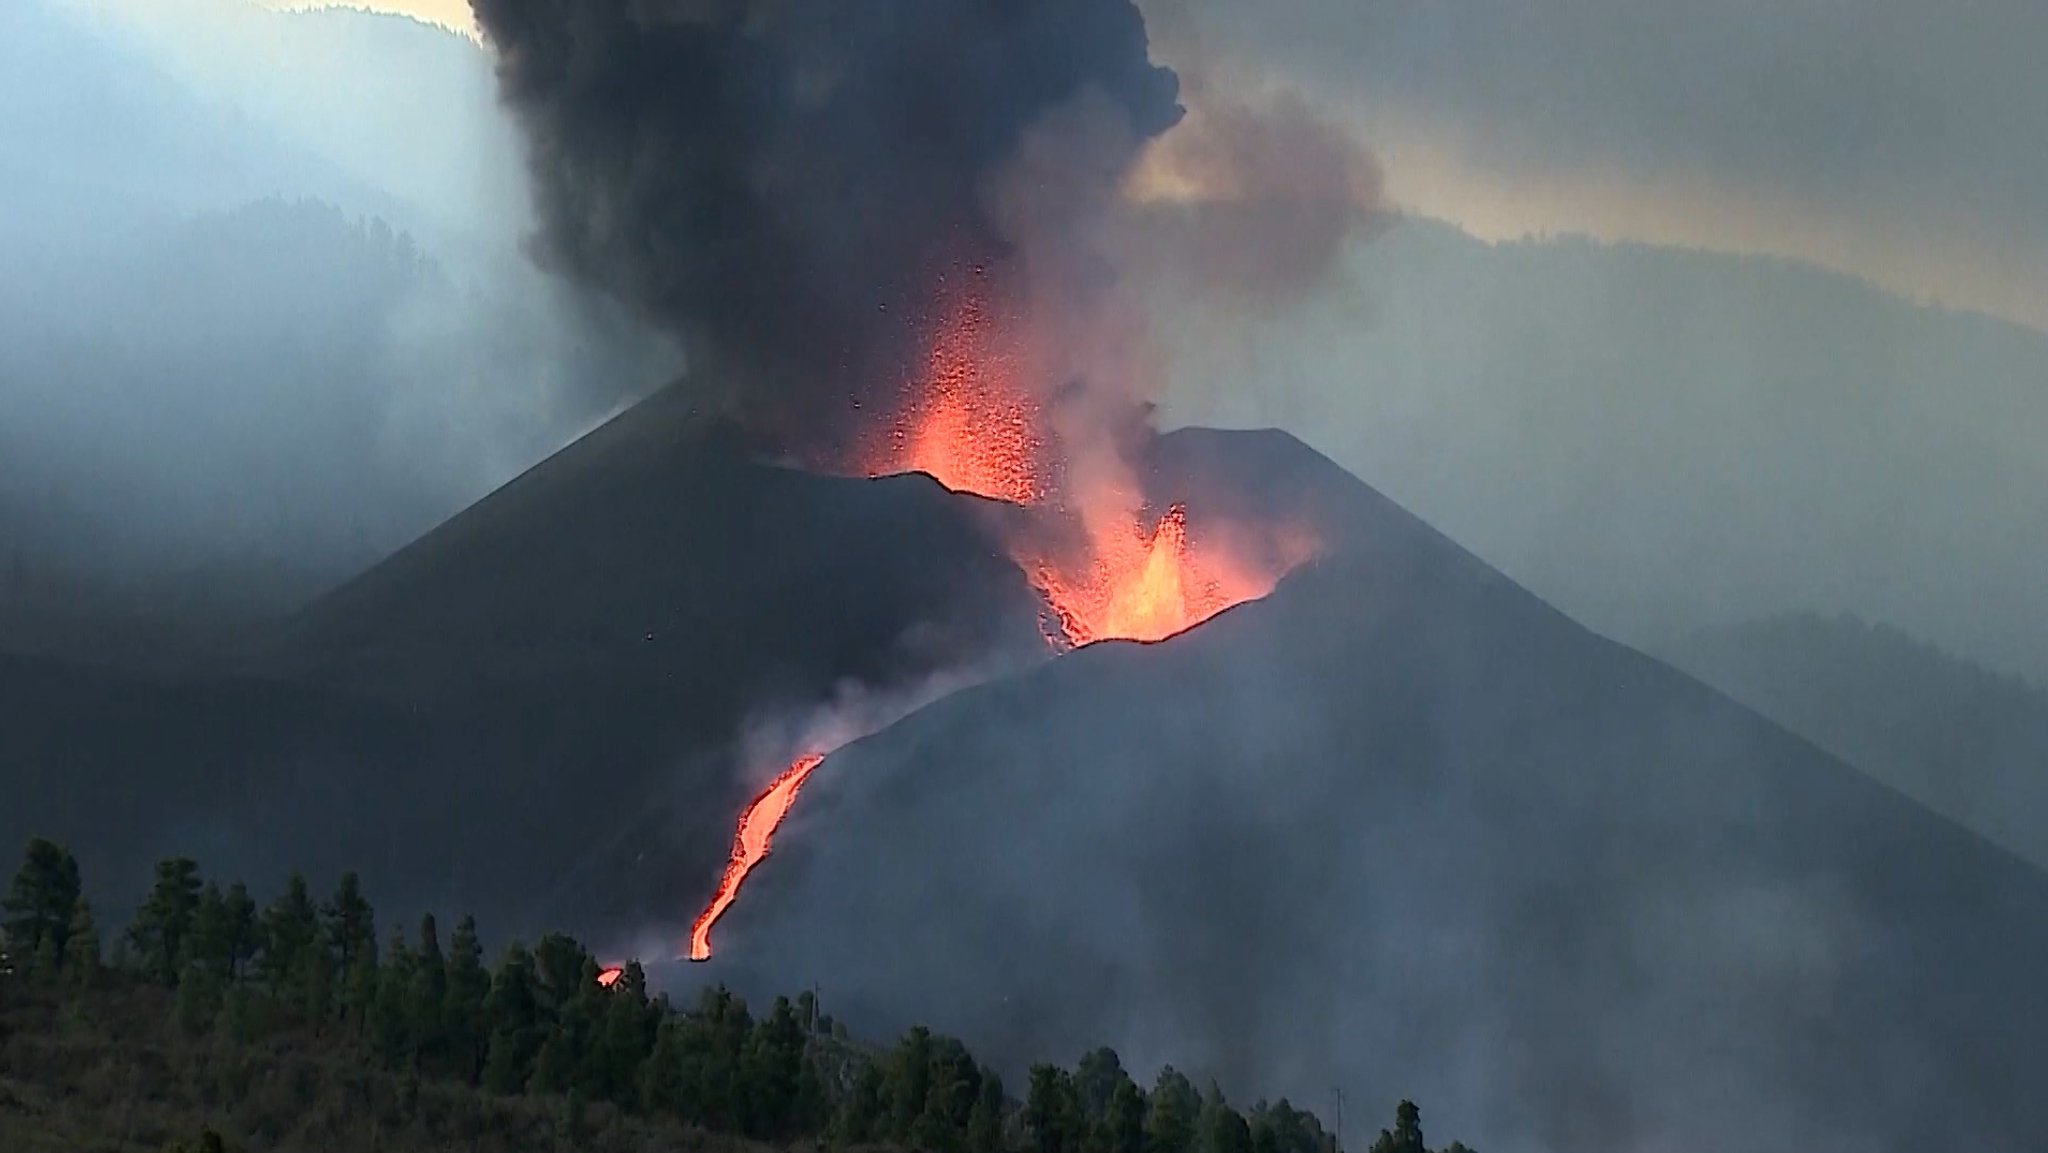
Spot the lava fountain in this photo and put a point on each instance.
(973, 426)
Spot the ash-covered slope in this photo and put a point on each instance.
(656, 554)
(250, 776)
(1403, 826)
(532, 712)
(1960, 738)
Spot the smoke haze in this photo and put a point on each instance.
(263, 312)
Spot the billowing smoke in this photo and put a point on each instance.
(786, 185)
(1250, 202)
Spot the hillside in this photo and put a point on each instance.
(1957, 737)
(216, 1025)
(1659, 440)
(263, 314)
(577, 663)
(1403, 822)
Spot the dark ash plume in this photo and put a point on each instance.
(783, 183)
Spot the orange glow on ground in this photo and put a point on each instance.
(750, 846)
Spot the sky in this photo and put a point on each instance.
(1890, 139)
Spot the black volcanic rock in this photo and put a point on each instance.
(1403, 827)
(658, 552)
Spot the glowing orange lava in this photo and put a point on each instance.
(1143, 586)
(750, 846)
(965, 427)
(972, 426)
(610, 976)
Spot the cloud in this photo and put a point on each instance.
(1912, 121)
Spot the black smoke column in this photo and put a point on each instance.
(782, 183)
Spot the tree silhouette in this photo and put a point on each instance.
(540, 1023)
(36, 915)
(1172, 1114)
(464, 1023)
(161, 924)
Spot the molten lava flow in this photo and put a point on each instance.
(750, 846)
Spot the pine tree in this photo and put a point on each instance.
(1095, 1081)
(513, 1010)
(244, 934)
(158, 932)
(554, 1067)
(469, 987)
(313, 983)
(428, 1007)
(290, 927)
(956, 1082)
(36, 914)
(662, 1074)
(350, 923)
(985, 1121)
(1281, 1128)
(559, 964)
(907, 1082)
(578, 1025)
(1222, 1129)
(1406, 1135)
(770, 1068)
(1174, 1111)
(207, 943)
(1052, 1111)
(812, 1114)
(82, 947)
(391, 1013)
(625, 1036)
(47, 966)
(201, 989)
(1123, 1123)
(860, 1115)
(358, 999)
(713, 1093)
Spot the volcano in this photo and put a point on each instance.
(1396, 821)
(1403, 824)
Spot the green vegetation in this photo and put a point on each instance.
(215, 1024)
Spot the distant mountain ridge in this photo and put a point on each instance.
(1662, 440)
(1960, 738)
